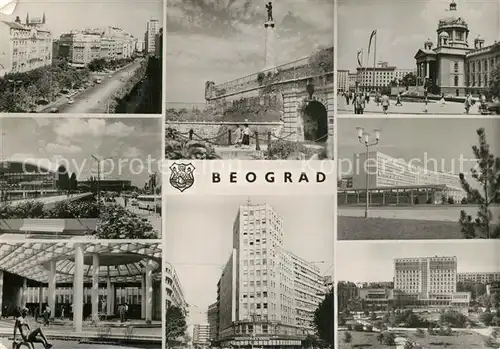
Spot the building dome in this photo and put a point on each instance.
(453, 18)
(428, 42)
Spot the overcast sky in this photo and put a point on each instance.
(404, 25)
(199, 233)
(72, 141)
(224, 40)
(65, 15)
(359, 261)
(422, 139)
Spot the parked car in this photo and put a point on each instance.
(493, 108)
(54, 110)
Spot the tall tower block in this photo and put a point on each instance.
(270, 37)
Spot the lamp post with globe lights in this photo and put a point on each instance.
(364, 139)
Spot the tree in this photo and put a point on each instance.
(487, 174)
(116, 222)
(494, 89)
(175, 323)
(409, 79)
(323, 319)
(453, 318)
(73, 183)
(486, 318)
(63, 178)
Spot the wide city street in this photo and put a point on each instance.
(153, 218)
(95, 99)
(433, 107)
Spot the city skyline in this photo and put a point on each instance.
(214, 216)
(399, 35)
(422, 139)
(376, 263)
(73, 141)
(65, 15)
(231, 37)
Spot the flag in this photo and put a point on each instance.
(7, 7)
(360, 57)
(371, 38)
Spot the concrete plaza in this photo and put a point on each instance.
(433, 107)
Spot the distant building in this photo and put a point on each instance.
(384, 76)
(483, 278)
(213, 324)
(140, 45)
(80, 47)
(342, 80)
(152, 29)
(159, 44)
(352, 78)
(106, 184)
(24, 46)
(201, 335)
(428, 281)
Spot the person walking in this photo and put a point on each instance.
(121, 312)
(398, 100)
(246, 136)
(385, 103)
(468, 103)
(442, 100)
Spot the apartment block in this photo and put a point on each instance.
(483, 278)
(150, 37)
(174, 292)
(266, 295)
(201, 335)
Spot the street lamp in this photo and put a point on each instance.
(364, 138)
(99, 177)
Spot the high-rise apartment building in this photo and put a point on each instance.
(266, 295)
(24, 46)
(175, 294)
(428, 281)
(201, 335)
(213, 323)
(150, 37)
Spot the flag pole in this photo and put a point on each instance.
(374, 59)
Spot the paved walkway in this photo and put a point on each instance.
(450, 108)
(6, 343)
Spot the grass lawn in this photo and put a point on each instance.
(459, 340)
(361, 340)
(359, 228)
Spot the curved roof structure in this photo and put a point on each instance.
(121, 261)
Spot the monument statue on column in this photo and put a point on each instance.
(270, 37)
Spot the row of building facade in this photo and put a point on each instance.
(266, 295)
(29, 45)
(421, 282)
(396, 181)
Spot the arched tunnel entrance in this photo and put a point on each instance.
(315, 122)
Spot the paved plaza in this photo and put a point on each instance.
(5, 343)
(433, 107)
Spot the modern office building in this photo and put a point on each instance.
(106, 184)
(384, 76)
(450, 66)
(266, 295)
(80, 47)
(201, 334)
(428, 282)
(24, 46)
(483, 278)
(152, 29)
(26, 179)
(395, 181)
(376, 296)
(159, 43)
(174, 292)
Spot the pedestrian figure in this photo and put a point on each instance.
(238, 136)
(398, 100)
(442, 101)
(385, 103)
(246, 136)
(468, 103)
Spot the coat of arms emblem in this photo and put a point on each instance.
(182, 177)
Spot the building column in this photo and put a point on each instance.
(24, 293)
(427, 69)
(95, 285)
(1, 294)
(143, 296)
(149, 290)
(78, 289)
(52, 287)
(109, 303)
(40, 298)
